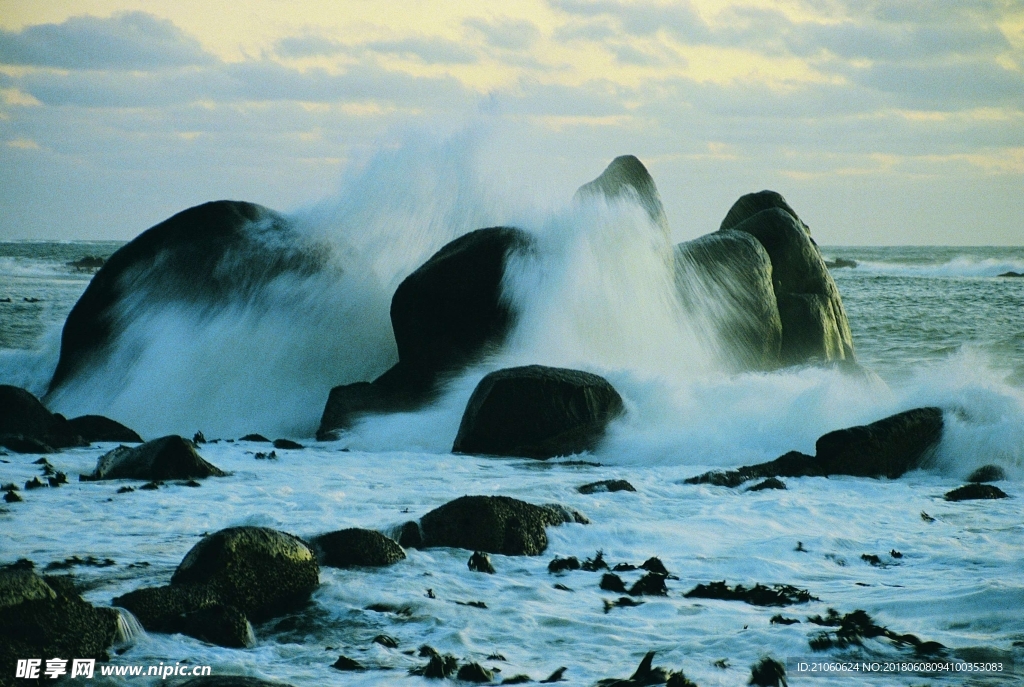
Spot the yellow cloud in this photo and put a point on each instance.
(23, 144)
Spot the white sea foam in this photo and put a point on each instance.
(962, 266)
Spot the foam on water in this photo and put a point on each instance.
(963, 266)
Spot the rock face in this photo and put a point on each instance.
(537, 412)
(887, 448)
(26, 424)
(231, 576)
(44, 617)
(445, 315)
(356, 547)
(202, 255)
(627, 177)
(98, 428)
(732, 271)
(170, 457)
(771, 301)
(495, 524)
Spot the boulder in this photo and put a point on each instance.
(98, 428)
(537, 412)
(202, 256)
(987, 473)
(26, 426)
(445, 315)
(975, 491)
(724, 281)
(493, 524)
(229, 577)
(814, 323)
(44, 617)
(356, 547)
(626, 177)
(170, 457)
(889, 448)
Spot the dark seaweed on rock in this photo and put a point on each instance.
(651, 584)
(621, 602)
(596, 563)
(558, 565)
(987, 473)
(648, 674)
(853, 628)
(768, 673)
(356, 547)
(758, 595)
(780, 619)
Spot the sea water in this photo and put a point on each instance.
(934, 325)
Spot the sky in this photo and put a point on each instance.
(881, 122)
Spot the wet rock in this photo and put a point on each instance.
(645, 674)
(853, 628)
(34, 483)
(170, 457)
(12, 497)
(26, 426)
(205, 256)
(780, 619)
(732, 271)
(410, 536)
(558, 565)
(768, 673)
(596, 563)
(537, 412)
(871, 559)
(555, 676)
(654, 565)
(887, 448)
(987, 473)
(517, 679)
(287, 444)
(87, 263)
(439, 667)
(493, 524)
(971, 492)
(1012, 274)
(386, 641)
(94, 428)
(45, 617)
(605, 485)
(481, 562)
(258, 571)
(346, 663)
(651, 584)
(356, 547)
(626, 178)
(770, 483)
(218, 624)
(621, 602)
(758, 595)
(198, 438)
(840, 263)
(445, 315)
(474, 672)
(255, 437)
(610, 582)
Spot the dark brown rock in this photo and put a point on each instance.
(605, 485)
(495, 524)
(971, 492)
(537, 412)
(356, 547)
(26, 426)
(170, 457)
(98, 428)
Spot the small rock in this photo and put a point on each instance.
(198, 438)
(651, 584)
(474, 672)
(971, 492)
(606, 485)
(596, 563)
(768, 673)
(770, 483)
(12, 497)
(34, 483)
(346, 663)
(555, 676)
(255, 437)
(287, 444)
(895, 554)
(125, 490)
(169, 457)
(654, 565)
(480, 562)
(356, 547)
(758, 595)
(621, 602)
(562, 564)
(987, 473)
(151, 486)
(871, 559)
(386, 640)
(782, 620)
(610, 582)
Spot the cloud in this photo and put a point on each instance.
(429, 50)
(309, 46)
(127, 41)
(678, 18)
(507, 34)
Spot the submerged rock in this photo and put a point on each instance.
(44, 617)
(971, 492)
(537, 412)
(987, 473)
(356, 547)
(170, 457)
(605, 485)
(98, 428)
(887, 448)
(236, 574)
(493, 524)
(768, 673)
(758, 595)
(26, 426)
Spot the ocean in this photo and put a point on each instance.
(933, 325)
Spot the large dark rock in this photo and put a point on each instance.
(537, 412)
(495, 524)
(724, 281)
(445, 315)
(626, 177)
(356, 547)
(228, 578)
(814, 323)
(887, 448)
(99, 428)
(204, 256)
(170, 457)
(25, 423)
(44, 617)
